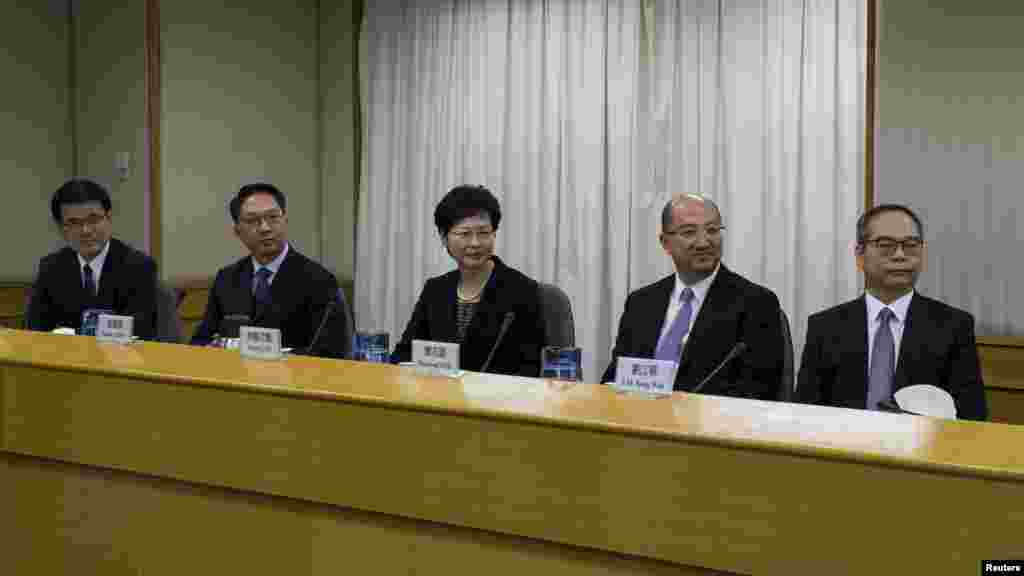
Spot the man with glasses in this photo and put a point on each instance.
(861, 352)
(275, 286)
(94, 271)
(700, 314)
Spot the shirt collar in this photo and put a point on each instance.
(700, 289)
(274, 264)
(899, 307)
(97, 262)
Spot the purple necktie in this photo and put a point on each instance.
(670, 347)
(882, 371)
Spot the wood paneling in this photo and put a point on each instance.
(389, 460)
(13, 299)
(1002, 366)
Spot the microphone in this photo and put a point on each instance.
(737, 349)
(328, 310)
(509, 317)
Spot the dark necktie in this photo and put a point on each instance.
(262, 293)
(882, 371)
(88, 282)
(671, 345)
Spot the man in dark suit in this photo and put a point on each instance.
(275, 286)
(860, 352)
(703, 311)
(94, 271)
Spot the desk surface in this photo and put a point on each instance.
(958, 447)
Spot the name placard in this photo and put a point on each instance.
(645, 376)
(259, 343)
(113, 328)
(440, 358)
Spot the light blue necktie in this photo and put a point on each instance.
(882, 372)
(671, 344)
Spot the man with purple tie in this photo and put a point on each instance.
(859, 353)
(704, 312)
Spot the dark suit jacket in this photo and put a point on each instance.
(508, 290)
(299, 292)
(127, 286)
(937, 348)
(734, 310)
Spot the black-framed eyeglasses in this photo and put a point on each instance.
(92, 221)
(272, 219)
(689, 233)
(910, 245)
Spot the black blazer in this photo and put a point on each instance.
(127, 286)
(734, 310)
(299, 295)
(508, 290)
(937, 348)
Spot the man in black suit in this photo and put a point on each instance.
(860, 352)
(703, 311)
(94, 271)
(275, 286)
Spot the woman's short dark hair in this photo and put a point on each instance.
(235, 206)
(78, 191)
(463, 202)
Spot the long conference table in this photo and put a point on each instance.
(164, 459)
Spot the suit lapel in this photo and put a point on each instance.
(656, 315)
(105, 296)
(244, 284)
(714, 306)
(444, 331)
(73, 281)
(911, 342)
(855, 354)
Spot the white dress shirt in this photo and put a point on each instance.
(675, 303)
(273, 266)
(899, 309)
(96, 264)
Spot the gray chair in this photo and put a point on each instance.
(168, 326)
(349, 324)
(556, 310)
(786, 387)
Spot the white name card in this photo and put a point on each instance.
(259, 343)
(116, 329)
(645, 375)
(440, 358)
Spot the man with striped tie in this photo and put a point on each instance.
(704, 314)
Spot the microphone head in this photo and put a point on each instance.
(740, 348)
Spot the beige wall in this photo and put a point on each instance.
(35, 124)
(239, 104)
(110, 113)
(951, 145)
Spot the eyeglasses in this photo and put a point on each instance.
(887, 246)
(689, 233)
(92, 221)
(272, 219)
(463, 235)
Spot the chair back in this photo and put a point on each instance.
(786, 387)
(349, 324)
(559, 327)
(168, 324)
